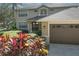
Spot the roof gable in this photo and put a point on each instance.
(68, 14)
(71, 13)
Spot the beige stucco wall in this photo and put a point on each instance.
(39, 10)
(64, 21)
(45, 29)
(29, 26)
(31, 13)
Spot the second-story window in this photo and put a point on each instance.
(43, 12)
(22, 15)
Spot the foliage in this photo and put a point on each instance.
(7, 15)
(38, 32)
(13, 26)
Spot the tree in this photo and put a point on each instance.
(7, 14)
(14, 7)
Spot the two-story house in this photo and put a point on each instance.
(26, 17)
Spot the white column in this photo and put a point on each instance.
(29, 27)
(48, 32)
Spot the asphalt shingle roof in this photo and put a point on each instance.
(36, 18)
(71, 13)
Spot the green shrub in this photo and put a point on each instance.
(38, 32)
(13, 27)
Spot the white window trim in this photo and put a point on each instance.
(41, 14)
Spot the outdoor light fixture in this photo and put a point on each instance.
(37, 23)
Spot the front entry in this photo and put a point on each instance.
(63, 33)
(36, 27)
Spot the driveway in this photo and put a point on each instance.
(63, 50)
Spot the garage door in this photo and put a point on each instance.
(60, 33)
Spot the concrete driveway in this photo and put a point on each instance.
(63, 50)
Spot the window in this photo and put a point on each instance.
(53, 26)
(76, 26)
(22, 25)
(36, 26)
(35, 10)
(71, 26)
(43, 12)
(58, 26)
(22, 15)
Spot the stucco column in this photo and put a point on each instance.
(48, 33)
(45, 29)
(30, 27)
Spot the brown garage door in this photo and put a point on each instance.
(64, 33)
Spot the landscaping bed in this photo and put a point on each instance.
(16, 43)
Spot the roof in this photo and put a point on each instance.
(36, 18)
(68, 14)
